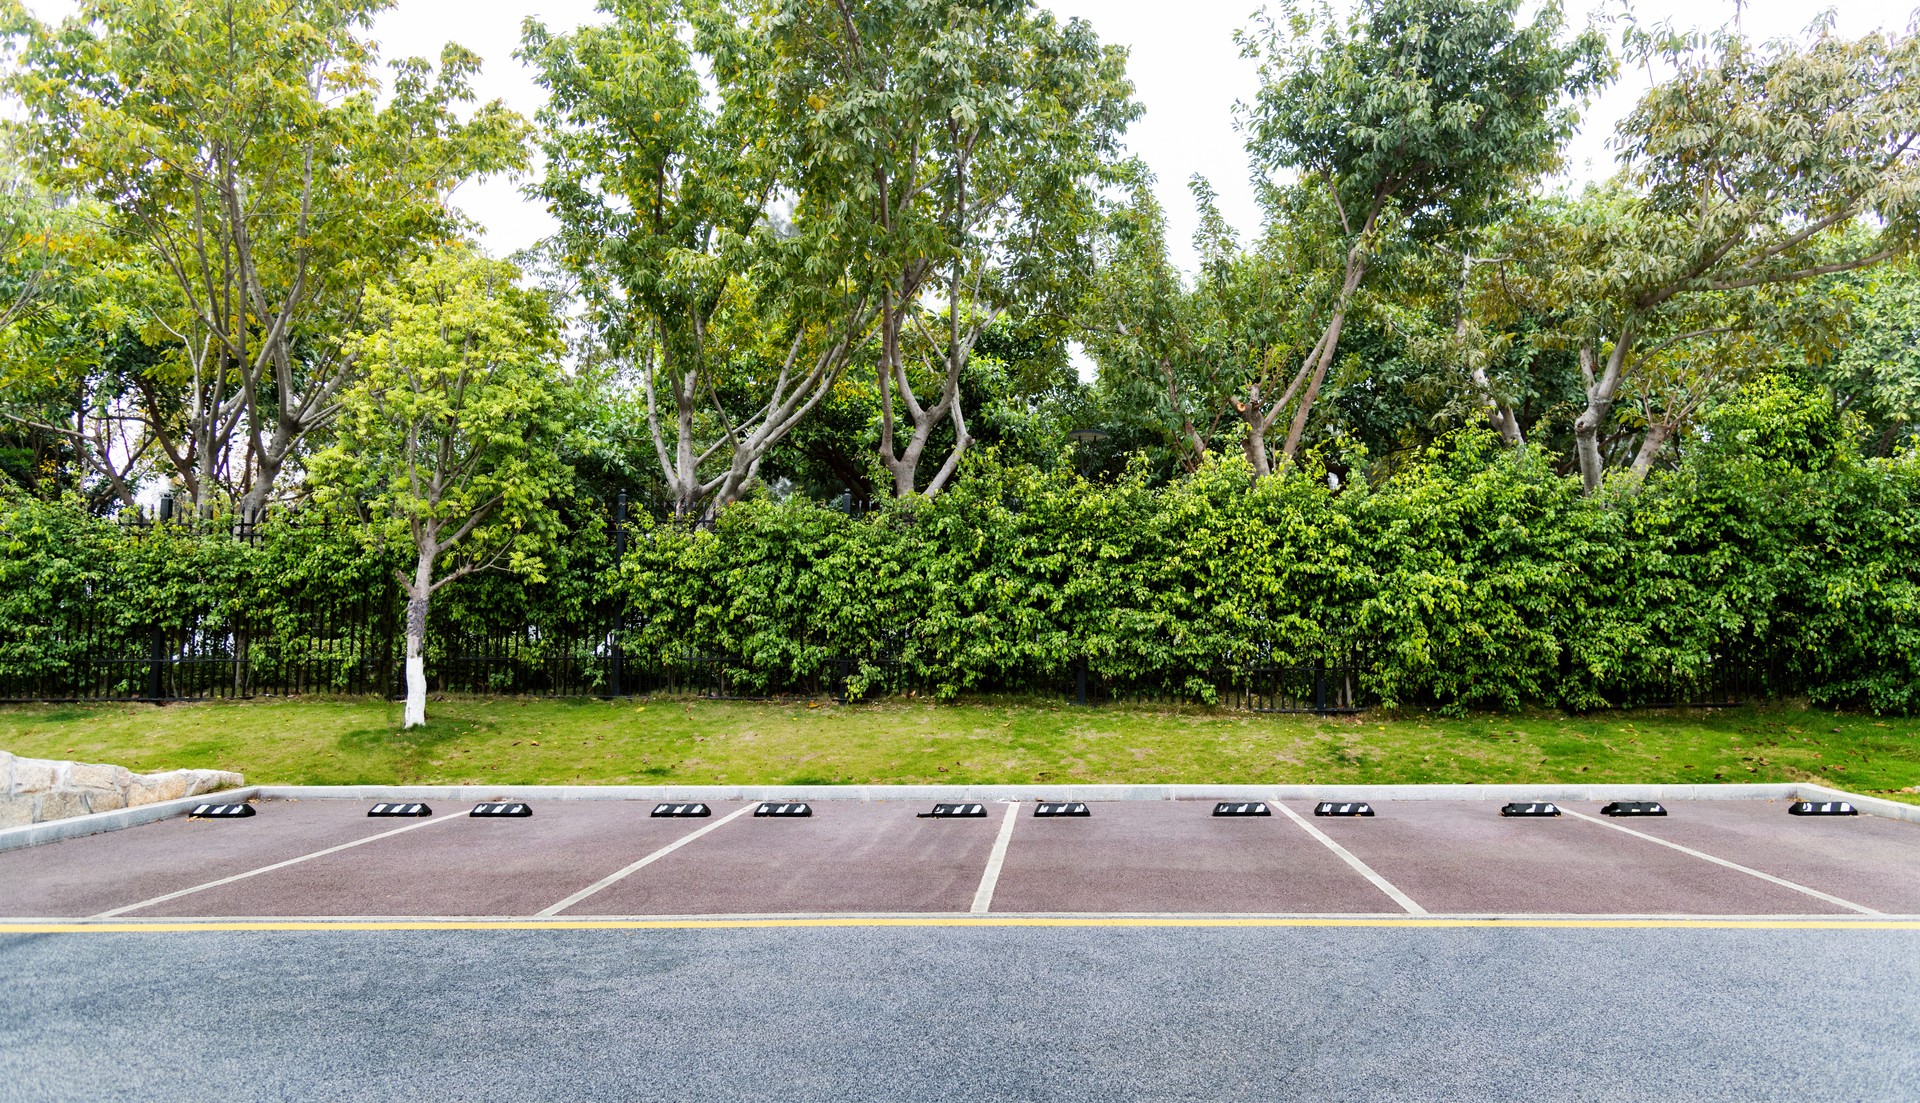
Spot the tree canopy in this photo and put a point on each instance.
(849, 250)
(251, 160)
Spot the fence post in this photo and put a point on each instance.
(1080, 679)
(844, 667)
(1320, 686)
(156, 658)
(619, 607)
(157, 646)
(390, 687)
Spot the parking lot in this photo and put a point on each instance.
(579, 859)
(1150, 949)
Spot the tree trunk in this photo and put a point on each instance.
(747, 443)
(1586, 443)
(904, 464)
(417, 593)
(787, 403)
(1658, 434)
(267, 467)
(1258, 419)
(1601, 391)
(961, 439)
(1298, 428)
(1499, 414)
(1329, 344)
(685, 477)
(1507, 424)
(679, 468)
(1256, 445)
(206, 480)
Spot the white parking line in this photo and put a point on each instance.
(1705, 857)
(1359, 866)
(615, 878)
(983, 897)
(276, 865)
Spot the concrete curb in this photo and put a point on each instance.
(1566, 792)
(73, 827)
(1775, 791)
(77, 826)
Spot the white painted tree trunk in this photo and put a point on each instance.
(416, 685)
(417, 593)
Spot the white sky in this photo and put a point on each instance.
(1185, 68)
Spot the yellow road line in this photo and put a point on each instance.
(271, 925)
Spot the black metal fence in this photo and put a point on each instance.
(1726, 682)
(358, 647)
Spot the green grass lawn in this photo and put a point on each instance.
(680, 741)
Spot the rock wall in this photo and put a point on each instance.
(34, 790)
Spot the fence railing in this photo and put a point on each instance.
(359, 650)
(357, 647)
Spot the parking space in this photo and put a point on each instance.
(849, 856)
(1463, 857)
(97, 873)
(588, 858)
(1174, 857)
(1868, 860)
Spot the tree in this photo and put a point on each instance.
(941, 152)
(1148, 330)
(70, 351)
(248, 151)
(1263, 305)
(1411, 119)
(449, 437)
(667, 199)
(1216, 351)
(1749, 172)
(1876, 371)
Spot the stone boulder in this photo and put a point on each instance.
(35, 790)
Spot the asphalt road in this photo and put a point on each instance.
(946, 1013)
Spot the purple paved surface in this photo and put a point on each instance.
(1871, 861)
(468, 867)
(1457, 856)
(1175, 856)
(1128, 857)
(97, 873)
(848, 856)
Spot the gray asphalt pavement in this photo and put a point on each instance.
(964, 1014)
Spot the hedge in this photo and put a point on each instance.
(1474, 577)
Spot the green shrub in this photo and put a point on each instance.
(1476, 577)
